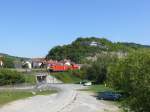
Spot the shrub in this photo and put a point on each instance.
(9, 77)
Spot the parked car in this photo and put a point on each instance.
(86, 83)
(108, 95)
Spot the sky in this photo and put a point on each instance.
(30, 28)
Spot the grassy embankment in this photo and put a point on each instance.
(9, 95)
(66, 77)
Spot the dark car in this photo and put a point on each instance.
(109, 96)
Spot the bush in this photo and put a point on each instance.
(132, 75)
(9, 77)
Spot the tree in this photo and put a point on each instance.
(132, 75)
(98, 69)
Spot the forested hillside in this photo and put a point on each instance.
(81, 48)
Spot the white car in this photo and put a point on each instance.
(87, 84)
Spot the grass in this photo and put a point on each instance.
(99, 88)
(66, 77)
(39, 70)
(45, 92)
(30, 78)
(9, 95)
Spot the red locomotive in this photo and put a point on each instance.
(61, 67)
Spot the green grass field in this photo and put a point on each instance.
(9, 95)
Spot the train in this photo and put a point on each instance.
(62, 68)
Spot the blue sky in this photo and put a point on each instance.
(31, 28)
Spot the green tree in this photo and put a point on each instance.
(98, 69)
(132, 75)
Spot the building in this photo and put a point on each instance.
(94, 43)
(27, 65)
(38, 62)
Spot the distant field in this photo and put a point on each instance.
(9, 95)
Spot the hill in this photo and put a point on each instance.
(81, 48)
(2, 54)
(13, 57)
